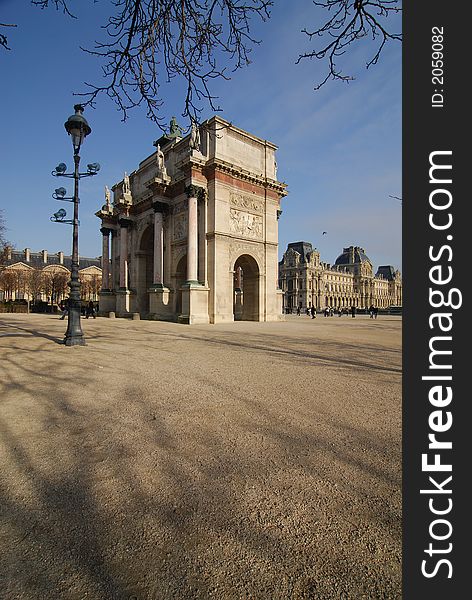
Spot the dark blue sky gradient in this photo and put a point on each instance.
(339, 148)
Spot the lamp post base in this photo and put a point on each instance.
(74, 341)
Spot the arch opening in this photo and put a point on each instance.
(145, 268)
(246, 283)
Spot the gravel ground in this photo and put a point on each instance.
(165, 461)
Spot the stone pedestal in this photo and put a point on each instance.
(160, 304)
(194, 304)
(238, 305)
(127, 198)
(123, 303)
(106, 303)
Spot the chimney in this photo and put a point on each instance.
(27, 254)
(44, 254)
(61, 257)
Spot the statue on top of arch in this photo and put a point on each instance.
(195, 136)
(175, 131)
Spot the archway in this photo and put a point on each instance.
(145, 265)
(246, 289)
(180, 279)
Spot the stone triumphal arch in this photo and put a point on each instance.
(192, 234)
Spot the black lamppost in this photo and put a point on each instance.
(78, 128)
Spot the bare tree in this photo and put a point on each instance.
(35, 284)
(95, 286)
(21, 282)
(55, 284)
(3, 229)
(351, 21)
(84, 287)
(151, 42)
(8, 283)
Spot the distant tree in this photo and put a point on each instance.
(95, 286)
(4, 243)
(84, 287)
(35, 284)
(8, 283)
(55, 284)
(149, 42)
(22, 277)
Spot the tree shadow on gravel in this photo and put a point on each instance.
(163, 492)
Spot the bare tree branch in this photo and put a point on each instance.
(151, 42)
(351, 21)
(3, 229)
(148, 43)
(3, 37)
(58, 4)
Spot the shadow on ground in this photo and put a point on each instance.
(114, 487)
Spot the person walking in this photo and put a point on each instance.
(353, 311)
(65, 309)
(371, 311)
(298, 310)
(90, 310)
(376, 312)
(313, 312)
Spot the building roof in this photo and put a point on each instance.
(386, 271)
(303, 248)
(36, 260)
(352, 255)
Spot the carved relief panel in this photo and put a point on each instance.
(245, 224)
(246, 203)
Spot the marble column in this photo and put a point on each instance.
(158, 265)
(105, 258)
(192, 234)
(194, 295)
(124, 225)
(114, 254)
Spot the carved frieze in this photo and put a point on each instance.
(236, 249)
(247, 203)
(245, 224)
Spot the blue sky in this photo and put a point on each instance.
(339, 148)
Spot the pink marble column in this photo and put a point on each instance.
(158, 275)
(124, 224)
(192, 235)
(114, 254)
(105, 258)
(160, 209)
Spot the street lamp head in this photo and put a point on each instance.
(77, 127)
(59, 215)
(60, 192)
(61, 168)
(93, 168)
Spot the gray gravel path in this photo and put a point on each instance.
(162, 461)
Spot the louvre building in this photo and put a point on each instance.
(306, 281)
